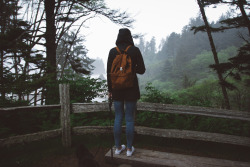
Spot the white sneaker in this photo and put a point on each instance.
(117, 151)
(129, 153)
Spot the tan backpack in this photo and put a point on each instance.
(121, 71)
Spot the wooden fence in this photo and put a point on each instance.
(66, 130)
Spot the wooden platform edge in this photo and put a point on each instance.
(149, 158)
(21, 139)
(194, 135)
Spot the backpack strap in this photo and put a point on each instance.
(118, 50)
(127, 48)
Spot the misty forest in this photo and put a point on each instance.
(183, 69)
(42, 45)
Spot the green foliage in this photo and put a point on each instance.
(202, 94)
(205, 94)
(187, 82)
(195, 123)
(85, 89)
(82, 89)
(199, 66)
(17, 123)
(12, 103)
(49, 120)
(155, 96)
(92, 119)
(192, 86)
(240, 97)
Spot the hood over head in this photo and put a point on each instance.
(124, 37)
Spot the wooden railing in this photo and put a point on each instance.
(66, 130)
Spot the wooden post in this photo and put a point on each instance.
(65, 114)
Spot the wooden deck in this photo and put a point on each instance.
(149, 158)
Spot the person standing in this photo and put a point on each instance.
(125, 97)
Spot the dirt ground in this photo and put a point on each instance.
(72, 161)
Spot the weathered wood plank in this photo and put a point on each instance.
(194, 110)
(194, 135)
(149, 158)
(170, 133)
(81, 130)
(168, 108)
(89, 107)
(65, 114)
(30, 137)
(155, 107)
(30, 108)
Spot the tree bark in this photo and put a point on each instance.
(224, 91)
(244, 15)
(50, 37)
(1, 52)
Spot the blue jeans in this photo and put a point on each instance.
(130, 107)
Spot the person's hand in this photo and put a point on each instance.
(110, 95)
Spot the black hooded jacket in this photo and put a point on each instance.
(125, 39)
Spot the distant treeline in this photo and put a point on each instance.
(182, 63)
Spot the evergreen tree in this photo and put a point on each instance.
(60, 17)
(71, 53)
(236, 21)
(173, 60)
(238, 65)
(14, 48)
(150, 50)
(170, 47)
(142, 46)
(219, 73)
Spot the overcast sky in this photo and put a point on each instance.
(158, 18)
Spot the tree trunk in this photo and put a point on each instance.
(2, 78)
(1, 52)
(50, 37)
(224, 91)
(42, 96)
(244, 15)
(35, 97)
